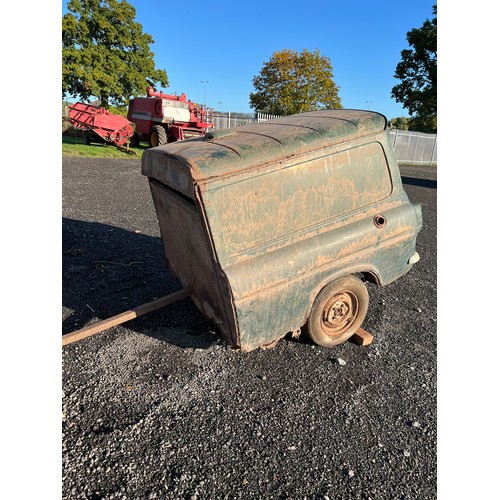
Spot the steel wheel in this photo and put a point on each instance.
(338, 311)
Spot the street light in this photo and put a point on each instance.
(205, 92)
(219, 103)
(369, 102)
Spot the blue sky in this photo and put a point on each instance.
(226, 43)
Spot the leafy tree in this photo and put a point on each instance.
(105, 53)
(291, 83)
(418, 74)
(401, 123)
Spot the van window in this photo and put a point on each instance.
(268, 207)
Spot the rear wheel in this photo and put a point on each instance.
(135, 140)
(338, 311)
(157, 136)
(86, 139)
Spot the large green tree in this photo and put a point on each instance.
(418, 74)
(292, 82)
(105, 54)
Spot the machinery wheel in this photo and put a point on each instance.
(157, 136)
(338, 311)
(135, 140)
(86, 139)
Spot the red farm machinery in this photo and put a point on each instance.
(100, 125)
(161, 118)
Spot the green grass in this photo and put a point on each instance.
(73, 146)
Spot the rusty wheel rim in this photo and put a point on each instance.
(339, 313)
(154, 139)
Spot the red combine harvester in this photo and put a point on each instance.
(100, 125)
(160, 118)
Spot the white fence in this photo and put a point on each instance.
(264, 117)
(228, 120)
(414, 148)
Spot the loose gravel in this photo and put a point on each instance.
(162, 408)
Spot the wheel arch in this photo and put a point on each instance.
(366, 273)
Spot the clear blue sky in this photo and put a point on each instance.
(226, 43)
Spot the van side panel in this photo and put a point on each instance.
(250, 215)
(274, 205)
(282, 234)
(273, 292)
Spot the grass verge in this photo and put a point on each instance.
(73, 146)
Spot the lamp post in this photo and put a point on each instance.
(205, 92)
(368, 102)
(219, 103)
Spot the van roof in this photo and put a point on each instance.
(227, 151)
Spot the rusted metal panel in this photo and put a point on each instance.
(190, 256)
(272, 207)
(273, 292)
(169, 169)
(277, 211)
(232, 150)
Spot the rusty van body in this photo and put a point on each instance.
(274, 226)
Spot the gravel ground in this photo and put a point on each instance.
(161, 407)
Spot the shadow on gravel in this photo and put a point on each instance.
(107, 270)
(427, 183)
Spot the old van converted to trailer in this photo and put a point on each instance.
(272, 224)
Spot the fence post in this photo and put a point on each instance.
(414, 150)
(433, 150)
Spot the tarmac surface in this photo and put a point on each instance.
(161, 407)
